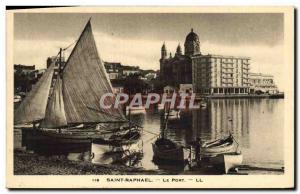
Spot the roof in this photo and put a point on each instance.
(220, 56)
(192, 36)
(126, 67)
(24, 67)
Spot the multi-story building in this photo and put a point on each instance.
(24, 69)
(25, 76)
(262, 83)
(216, 74)
(131, 70)
(119, 71)
(114, 70)
(209, 74)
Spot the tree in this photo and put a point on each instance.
(132, 84)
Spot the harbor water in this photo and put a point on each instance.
(256, 124)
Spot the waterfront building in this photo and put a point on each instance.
(24, 69)
(114, 70)
(220, 75)
(25, 76)
(209, 74)
(149, 74)
(262, 83)
(131, 70)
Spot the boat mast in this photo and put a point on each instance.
(59, 74)
(166, 121)
(59, 63)
(129, 112)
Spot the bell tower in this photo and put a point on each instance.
(163, 51)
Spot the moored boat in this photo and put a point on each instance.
(59, 100)
(124, 137)
(218, 146)
(227, 161)
(165, 149)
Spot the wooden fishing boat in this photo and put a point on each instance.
(119, 138)
(218, 146)
(165, 149)
(108, 154)
(68, 94)
(227, 161)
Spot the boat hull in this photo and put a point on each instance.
(216, 147)
(177, 154)
(224, 162)
(217, 150)
(52, 137)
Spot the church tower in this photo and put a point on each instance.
(192, 44)
(163, 60)
(163, 51)
(178, 50)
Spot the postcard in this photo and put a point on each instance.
(150, 97)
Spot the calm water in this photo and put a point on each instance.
(257, 124)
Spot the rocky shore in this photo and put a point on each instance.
(26, 163)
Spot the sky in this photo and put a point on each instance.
(136, 38)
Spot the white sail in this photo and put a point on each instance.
(33, 107)
(76, 96)
(55, 111)
(84, 82)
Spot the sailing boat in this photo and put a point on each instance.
(69, 111)
(165, 149)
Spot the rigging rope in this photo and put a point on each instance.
(70, 45)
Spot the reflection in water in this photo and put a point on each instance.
(221, 118)
(257, 124)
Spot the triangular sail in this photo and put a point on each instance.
(55, 111)
(34, 105)
(84, 82)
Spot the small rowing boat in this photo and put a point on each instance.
(217, 147)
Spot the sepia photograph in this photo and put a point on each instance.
(113, 96)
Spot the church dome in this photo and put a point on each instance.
(192, 36)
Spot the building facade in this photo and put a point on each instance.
(262, 83)
(25, 76)
(178, 69)
(216, 74)
(114, 70)
(209, 74)
(118, 71)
